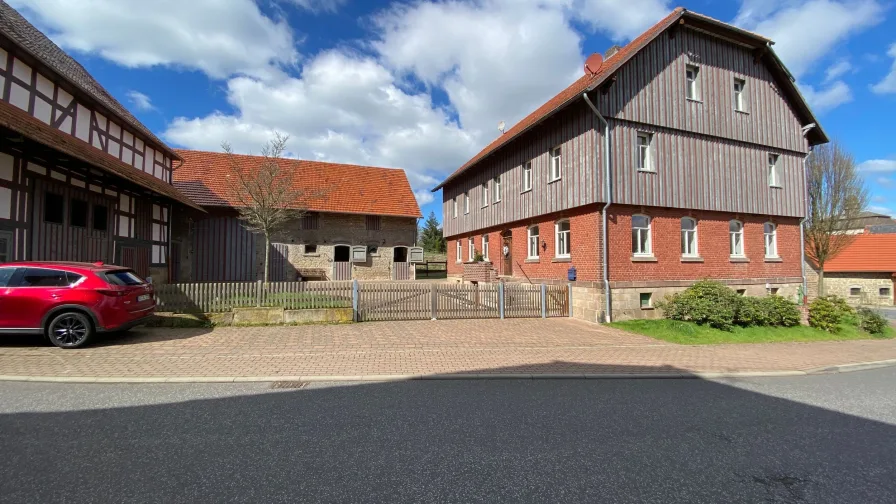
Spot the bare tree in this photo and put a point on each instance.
(837, 195)
(265, 194)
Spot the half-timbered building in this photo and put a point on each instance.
(81, 179)
(359, 222)
(675, 158)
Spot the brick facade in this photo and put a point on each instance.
(584, 226)
(713, 246)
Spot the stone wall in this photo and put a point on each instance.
(840, 284)
(588, 301)
(627, 295)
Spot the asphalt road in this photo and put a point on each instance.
(813, 439)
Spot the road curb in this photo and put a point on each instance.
(849, 368)
(844, 368)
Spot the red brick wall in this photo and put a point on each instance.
(584, 227)
(712, 246)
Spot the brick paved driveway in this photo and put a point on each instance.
(530, 346)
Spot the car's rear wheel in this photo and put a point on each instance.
(69, 330)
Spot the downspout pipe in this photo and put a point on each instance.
(805, 130)
(609, 196)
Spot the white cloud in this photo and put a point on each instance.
(837, 70)
(804, 31)
(219, 37)
(888, 83)
(496, 60)
(319, 5)
(884, 181)
(821, 100)
(622, 21)
(343, 108)
(140, 100)
(878, 165)
(882, 210)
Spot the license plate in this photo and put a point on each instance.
(144, 297)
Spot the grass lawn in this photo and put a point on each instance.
(689, 333)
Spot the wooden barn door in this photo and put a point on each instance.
(401, 268)
(342, 266)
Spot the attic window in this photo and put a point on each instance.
(311, 221)
(692, 76)
(373, 222)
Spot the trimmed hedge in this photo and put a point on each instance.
(828, 312)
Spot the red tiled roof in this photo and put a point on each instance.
(608, 68)
(343, 188)
(30, 127)
(866, 253)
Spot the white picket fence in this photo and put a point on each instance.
(373, 300)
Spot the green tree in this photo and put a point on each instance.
(431, 235)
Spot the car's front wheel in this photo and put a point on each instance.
(69, 330)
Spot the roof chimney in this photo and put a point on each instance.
(611, 51)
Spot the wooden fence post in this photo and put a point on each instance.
(501, 299)
(434, 300)
(356, 298)
(544, 301)
(258, 293)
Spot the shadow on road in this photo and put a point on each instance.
(662, 441)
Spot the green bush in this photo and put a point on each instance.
(705, 302)
(780, 311)
(871, 322)
(751, 312)
(828, 312)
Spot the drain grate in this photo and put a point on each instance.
(288, 385)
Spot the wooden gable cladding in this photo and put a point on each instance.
(43, 95)
(574, 131)
(650, 89)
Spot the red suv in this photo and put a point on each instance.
(69, 302)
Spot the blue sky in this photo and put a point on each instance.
(422, 85)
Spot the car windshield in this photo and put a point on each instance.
(123, 277)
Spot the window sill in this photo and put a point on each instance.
(496, 202)
(695, 100)
(647, 308)
(742, 112)
(643, 258)
(524, 191)
(775, 187)
(645, 170)
(739, 259)
(693, 259)
(773, 259)
(555, 180)
(311, 255)
(561, 260)
(531, 260)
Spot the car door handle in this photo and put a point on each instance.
(54, 296)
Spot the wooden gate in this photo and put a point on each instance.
(401, 271)
(342, 271)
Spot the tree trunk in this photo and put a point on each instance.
(820, 281)
(267, 257)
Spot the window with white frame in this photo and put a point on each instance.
(454, 207)
(471, 245)
(736, 235)
(485, 247)
(532, 239)
(689, 237)
(561, 239)
(771, 240)
(556, 164)
(645, 156)
(739, 87)
(485, 195)
(774, 170)
(641, 242)
(692, 77)
(496, 186)
(460, 251)
(466, 202)
(527, 176)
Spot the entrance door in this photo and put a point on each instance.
(401, 268)
(507, 252)
(342, 266)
